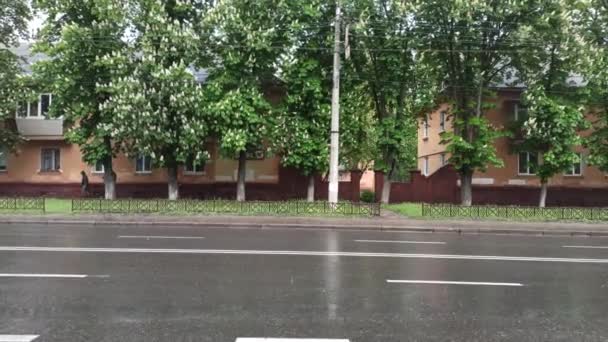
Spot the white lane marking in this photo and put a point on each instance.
(589, 247)
(404, 242)
(266, 339)
(297, 253)
(41, 275)
(18, 338)
(158, 237)
(439, 282)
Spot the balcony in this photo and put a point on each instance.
(40, 129)
(32, 119)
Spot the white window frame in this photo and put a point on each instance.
(40, 104)
(198, 169)
(28, 114)
(95, 170)
(443, 159)
(56, 150)
(527, 173)
(143, 171)
(442, 117)
(425, 127)
(572, 171)
(4, 156)
(425, 166)
(516, 111)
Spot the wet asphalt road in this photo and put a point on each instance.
(136, 290)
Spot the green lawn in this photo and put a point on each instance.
(405, 209)
(499, 213)
(58, 206)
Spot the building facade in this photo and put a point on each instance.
(46, 160)
(518, 167)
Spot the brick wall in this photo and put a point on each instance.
(291, 185)
(442, 187)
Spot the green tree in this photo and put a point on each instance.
(359, 128)
(400, 81)
(555, 106)
(160, 106)
(475, 43)
(246, 39)
(302, 130)
(14, 17)
(301, 133)
(77, 37)
(552, 131)
(593, 26)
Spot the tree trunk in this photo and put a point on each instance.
(386, 189)
(109, 177)
(109, 181)
(466, 188)
(172, 184)
(310, 197)
(543, 194)
(242, 174)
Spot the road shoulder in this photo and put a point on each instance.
(270, 222)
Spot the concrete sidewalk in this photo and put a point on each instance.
(269, 222)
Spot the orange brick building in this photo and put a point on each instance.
(46, 164)
(518, 168)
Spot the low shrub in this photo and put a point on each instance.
(368, 196)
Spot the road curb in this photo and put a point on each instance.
(456, 229)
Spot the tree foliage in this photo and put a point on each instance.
(302, 131)
(78, 38)
(555, 104)
(14, 17)
(160, 106)
(553, 131)
(241, 54)
(593, 26)
(476, 44)
(359, 133)
(301, 134)
(400, 81)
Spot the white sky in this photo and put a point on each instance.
(35, 24)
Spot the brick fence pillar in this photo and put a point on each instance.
(355, 185)
(378, 184)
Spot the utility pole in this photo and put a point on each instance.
(335, 115)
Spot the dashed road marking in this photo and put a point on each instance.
(159, 237)
(42, 275)
(18, 338)
(267, 339)
(403, 242)
(441, 282)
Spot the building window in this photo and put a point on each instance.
(425, 127)
(443, 159)
(577, 168)
(45, 104)
(50, 159)
(3, 160)
(194, 167)
(442, 121)
(425, 166)
(520, 112)
(38, 108)
(528, 162)
(22, 109)
(143, 164)
(99, 167)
